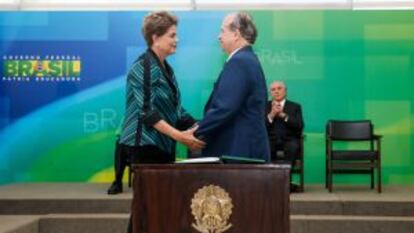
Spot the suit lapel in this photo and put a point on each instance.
(288, 107)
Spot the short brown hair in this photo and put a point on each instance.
(157, 23)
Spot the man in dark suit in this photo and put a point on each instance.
(233, 123)
(284, 124)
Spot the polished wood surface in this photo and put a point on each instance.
(163, 193)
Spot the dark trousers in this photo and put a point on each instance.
(284, 151)
(147, 155)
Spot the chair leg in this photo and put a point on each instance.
(326, 174)
(372, 178)
(129, 176)
(302, 179)
(330, 181)
(379, 177)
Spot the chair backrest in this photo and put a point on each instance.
(349, 130)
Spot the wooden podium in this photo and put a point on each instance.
(210, 198)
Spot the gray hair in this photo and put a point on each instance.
(281, 83)
(244, 23)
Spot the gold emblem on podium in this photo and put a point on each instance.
(211, 207)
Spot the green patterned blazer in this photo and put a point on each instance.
(164, 104)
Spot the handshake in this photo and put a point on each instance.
(187, 138)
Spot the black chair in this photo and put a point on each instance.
(349, 161)
(122, 161)
(299, 165)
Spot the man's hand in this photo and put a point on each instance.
(276, 109)
(187, 138)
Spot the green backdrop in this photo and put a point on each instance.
(338, 64)
(346, 65)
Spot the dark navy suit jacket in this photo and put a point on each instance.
(233, 122)
(292, 129)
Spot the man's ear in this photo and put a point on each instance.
(238, 33)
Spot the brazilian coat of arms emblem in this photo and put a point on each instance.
(211, 207)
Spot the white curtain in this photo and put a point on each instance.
(201, 4)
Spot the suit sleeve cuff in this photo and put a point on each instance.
(269, 119)
(151, 117)
(198, 135)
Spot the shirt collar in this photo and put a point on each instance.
(282, 103)
(234, 52)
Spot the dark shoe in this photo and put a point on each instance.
(294, 188)
(115, 188)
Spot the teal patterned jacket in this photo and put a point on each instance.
(165, 104)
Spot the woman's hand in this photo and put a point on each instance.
(187, 138)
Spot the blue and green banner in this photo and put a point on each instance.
(62, 85)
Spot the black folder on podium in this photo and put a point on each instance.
(240, 160)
